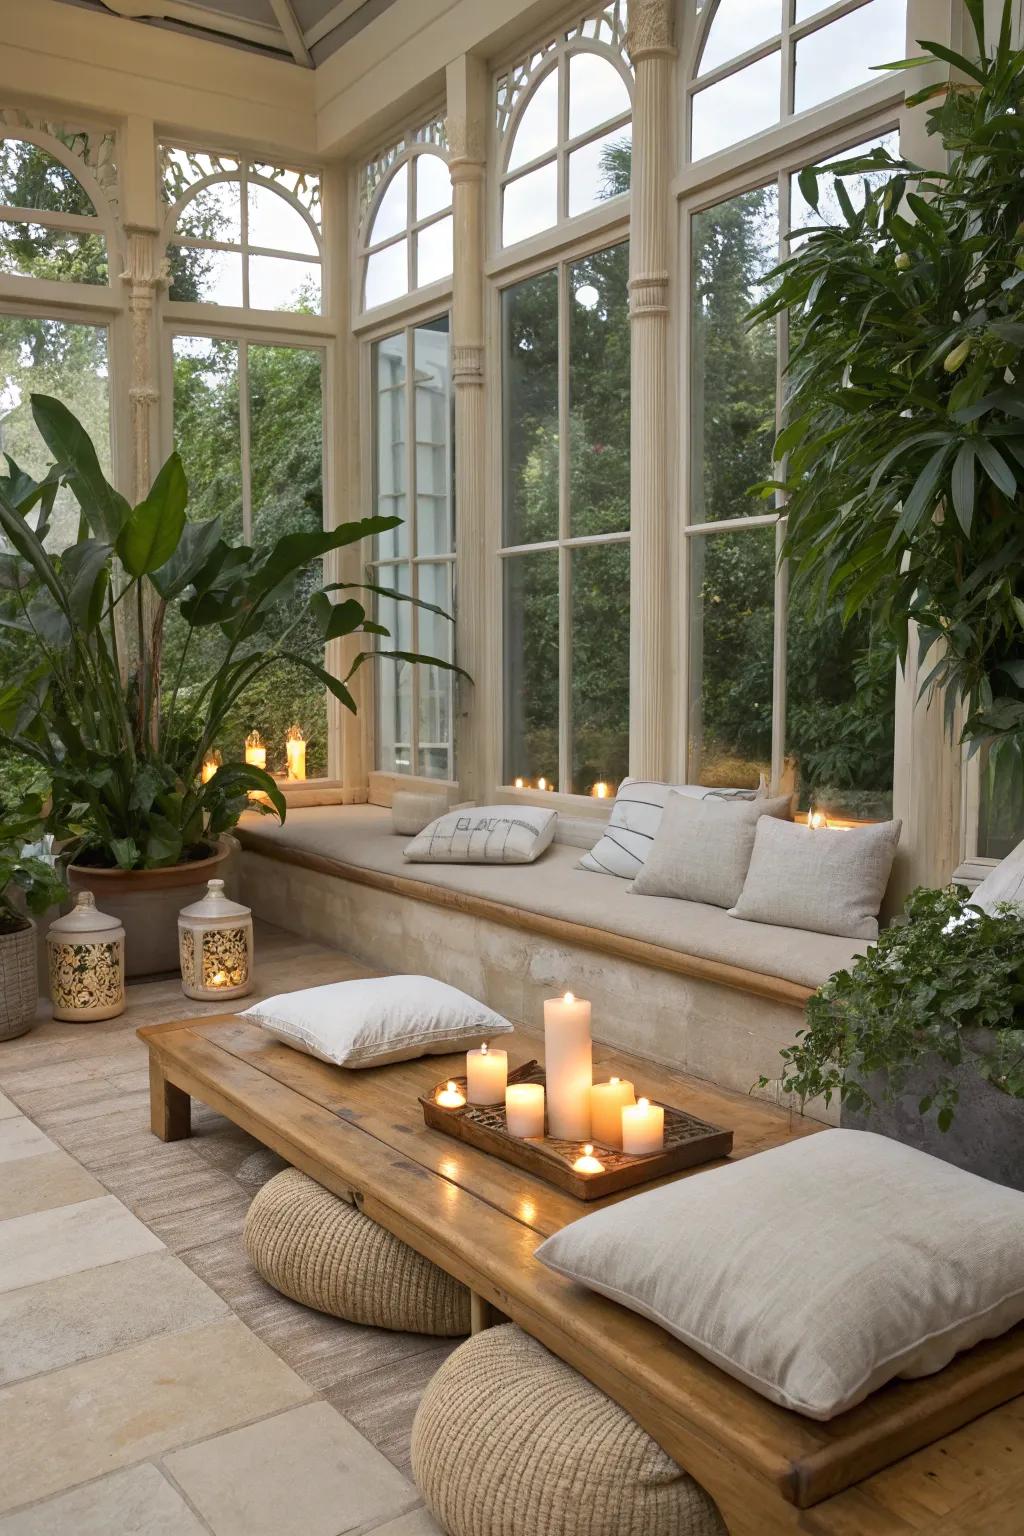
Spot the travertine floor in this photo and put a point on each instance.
(150, 1383)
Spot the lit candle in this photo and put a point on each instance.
(255, 751)
(542, 782)
(211, 762)
(295, 747)
(519, 784)
(606, 1103)
(524, 1109)
(486, 1075)
(568, 1066)
(600, 790)
(816, 820)
(588, 1163)
(450, 1096)
(218, 979)
(643, 1127)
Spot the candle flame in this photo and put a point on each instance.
(518, 784)
(254, 739)
(542, 783)
(615, 1081)
(588, 1150)
(483, 1048)
(643, 1103)
(817, 819)
(568, 998)
(452, 1086)
(295, 733)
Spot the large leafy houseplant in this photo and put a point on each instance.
(120, 745)
(29, 883)
(903, 444)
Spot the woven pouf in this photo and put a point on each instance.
(321, 1251)
(510, 1441)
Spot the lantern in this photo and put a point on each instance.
(86, 955)
(215, 946)
(295, 747)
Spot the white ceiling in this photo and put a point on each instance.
(305, 31)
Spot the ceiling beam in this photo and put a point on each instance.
(292, 31)
(190, 15)
(334, 18)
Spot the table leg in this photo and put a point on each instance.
(482, 1314)
(170, 1108)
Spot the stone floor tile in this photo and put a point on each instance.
(40, 1183)
(418, 1522)
(303, 1473)
(7, 1108)
(71, 1425)
(44, 1327)
(68, 1238)
(20, 1138)
(138, 1502)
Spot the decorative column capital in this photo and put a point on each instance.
(143, 271)
(650, 30)
(467, 364)
(466, 141)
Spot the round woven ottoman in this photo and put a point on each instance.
(321, 1251)
(510, 1441)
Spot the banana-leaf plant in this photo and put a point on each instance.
(903, 442)
(124, 773)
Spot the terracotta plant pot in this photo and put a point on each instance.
(147, 902)
(19, 981)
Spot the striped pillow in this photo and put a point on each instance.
(635, 819)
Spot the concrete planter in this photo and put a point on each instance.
(147, 902)
(19, 986)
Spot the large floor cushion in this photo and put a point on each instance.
(508, 1440)
(324, 1253)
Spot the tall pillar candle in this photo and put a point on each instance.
(568, 1067)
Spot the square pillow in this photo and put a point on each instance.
(815, 1272)
(702, 849)
(383, 1018)
(635, 819)
(487, 834)
(822, 880)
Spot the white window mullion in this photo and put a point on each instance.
(245, 439)
(564, 524)
(411, 542)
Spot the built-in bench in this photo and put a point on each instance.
(676, 981)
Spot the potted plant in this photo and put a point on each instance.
(29, 883)
(922, 1039)
(99, 702)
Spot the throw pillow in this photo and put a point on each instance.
(702, 848)
(488, 834)
(1005, 883)
(634, 822)
(823, 880)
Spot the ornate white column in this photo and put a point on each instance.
(651, 49)
(144, 274)
(467, 141)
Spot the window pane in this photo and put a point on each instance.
(600, 665)
(538, 127)
(733, 367)
(433, 440)
(737, 107)
(808, 8)
(597, 92)
(390, 412)
(840, 56)
(275, 282)
(30, 177)
(392, 214)
(600, 170)
(214, 213)
(206, 430)
(61, 358)
(394, 678)
(433, 683)
(531, 667)
(434, 252)
(530, 409)
(205, 277)
(829, 212)
(387, 274)
(63, 256)
(529, 205)
(275, 223)
(732, 595)
(433, 185)
(599, 360)
(739, 25)
(1001, 814)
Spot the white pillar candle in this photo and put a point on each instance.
(643, 1127)
(255, 751)
(568, 1066)
(295, 750)
(486, 1075)
(606, 1103)
(524, 1109)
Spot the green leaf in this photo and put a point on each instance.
(922, 498)
(296, 550)
(995, 466)
(336, 619)
(105, 509)
(153, 529)
(87, 564)
(240, 778)
(398, 597)
(963, 486)
(197, 543)
(808, 184)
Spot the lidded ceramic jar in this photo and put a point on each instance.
(86, 955)
(215, 946)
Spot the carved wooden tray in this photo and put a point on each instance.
(688, 1141)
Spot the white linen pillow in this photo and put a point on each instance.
(635, 819)
(487, 834)
(817, 1271)
(823, 880)
(376, 1020)
(1004, 883)
(702, 849)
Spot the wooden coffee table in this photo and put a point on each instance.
(361, 1134)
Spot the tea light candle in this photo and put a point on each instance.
(643, 1127)
(606, 1104)
(588, 1163)
(600, 790)
(255, 751)
(524, 1109)
(450, 1096)
(542, 782)
(568, 1066)
(518, 784)
(295, 748)
(486, 1075)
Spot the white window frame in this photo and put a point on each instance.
(409, 232)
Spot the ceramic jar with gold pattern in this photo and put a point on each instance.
(86, 955)
(215, 946)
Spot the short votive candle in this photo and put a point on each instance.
(643, 1127)
(606, 1105)
(450, 1096)
(524, 1109)
(486, 1075)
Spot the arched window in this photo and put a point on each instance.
(757, 66)
(50, 225)
(242, 233)
(409, 241)
(565, 122)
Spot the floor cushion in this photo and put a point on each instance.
(323, 1252)
(508, 1440)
